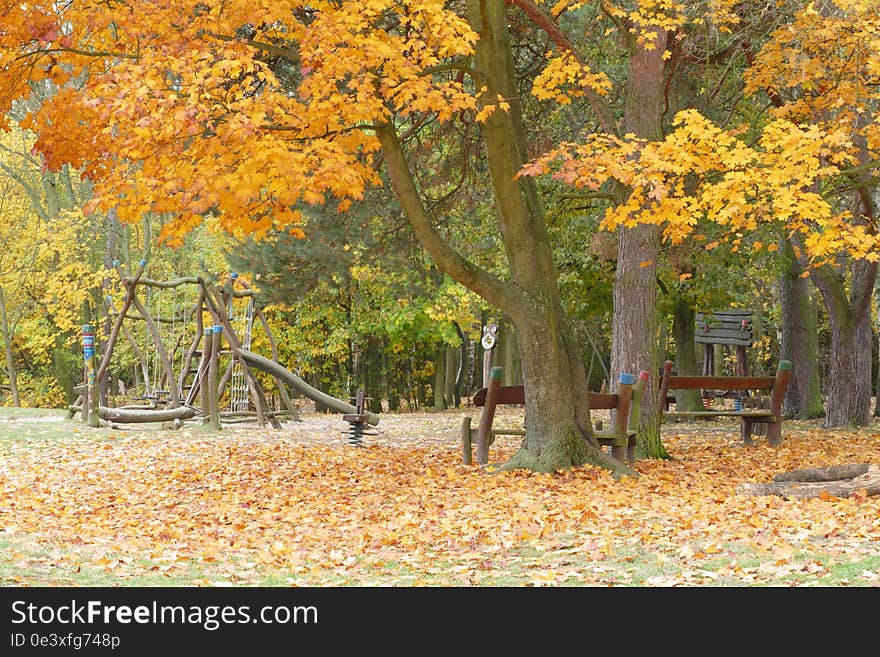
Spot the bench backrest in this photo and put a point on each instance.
(516, 395)
(776, 384)
(626, 402)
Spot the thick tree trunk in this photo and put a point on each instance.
(849, 375)
(508, 355)
(559, 434)
(849, 371)
(686, 362)
(800, 344)
(635, 332)
(876, 359)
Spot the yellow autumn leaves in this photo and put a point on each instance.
(310, 508)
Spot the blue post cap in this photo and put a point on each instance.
(495, 372)
(627, 378)
(115, 263)
(233, 274)
(218, 328)
(88, 328)
(143, 263)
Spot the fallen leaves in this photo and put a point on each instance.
(251, 503)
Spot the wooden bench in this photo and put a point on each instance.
(626, 403)
(721, 386)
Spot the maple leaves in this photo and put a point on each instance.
(309, 509)
(700, 171)
(244, 110)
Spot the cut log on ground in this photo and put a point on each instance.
(836, 481)
(130, 416)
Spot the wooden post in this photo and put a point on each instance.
(205, 382)
(621, 414)
(774, 429)
(213, 389)
(635, 413)
(91, 398)
(466, 450)
(488, 415)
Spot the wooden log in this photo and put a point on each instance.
(128, 416)
(812, 482)
(831, 473)
(214, 298)
(204, 381)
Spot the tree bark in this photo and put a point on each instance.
(450, 393)
(849, 315)
(635, 327)
(439, 378)
(686, 361)
(799, 343)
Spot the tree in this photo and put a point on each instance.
(247, 111)
(823, 68)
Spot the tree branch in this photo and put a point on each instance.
(545, 21)
(494, 290)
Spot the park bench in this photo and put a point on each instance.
(621, 436)
(726, 386)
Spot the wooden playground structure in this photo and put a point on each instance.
(210, 342)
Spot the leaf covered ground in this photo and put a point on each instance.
(299, 506)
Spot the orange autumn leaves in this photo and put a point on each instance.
(263, 503)
(243, 110)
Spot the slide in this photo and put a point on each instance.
(271, 367)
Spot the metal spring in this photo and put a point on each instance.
(355, 433)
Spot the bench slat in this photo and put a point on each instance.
(516, 395)
(766, 414)
(679, 381)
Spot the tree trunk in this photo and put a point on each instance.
(849, 372)
(686, 362)
(508, 355)
(449, 392)
(799, 343)
(635, 328)
(559, 434)
(876, 359)
(7, 350)
(463, 365)
(439, 378)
